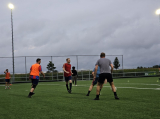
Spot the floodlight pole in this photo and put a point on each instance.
(12, 45)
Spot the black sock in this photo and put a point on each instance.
(73, 82)
(30, 93)
(67, 86)
(100, 90)
(97, 96)
(115, 94)
(70, 86)
(89, 92)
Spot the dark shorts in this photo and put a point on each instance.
(7, 80)
(104, 76)
(68, 78)
(35, 81)
(94, 82)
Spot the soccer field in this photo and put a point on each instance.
(139, 98)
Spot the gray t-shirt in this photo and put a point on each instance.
(104, 65)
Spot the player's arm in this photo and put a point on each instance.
(95, 71)
(71, 72)
(42, 73)
(64, 69)
(111, 68)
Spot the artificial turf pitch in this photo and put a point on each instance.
(139, 99)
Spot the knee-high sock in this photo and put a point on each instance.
(67, 86)
(70, 86)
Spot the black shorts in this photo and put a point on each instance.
(94, 82)
(7, 80)
(35, 81)
(104, 76)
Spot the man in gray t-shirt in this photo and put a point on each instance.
(105, 73)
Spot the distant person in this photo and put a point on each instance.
(94, 82)
(67, 74)
(7, 79)
(74, 75)
(105, 73)
(34, 75)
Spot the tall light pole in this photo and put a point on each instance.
(11, 6)
(158, 13)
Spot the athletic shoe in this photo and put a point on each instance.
(75, 85)
(5, 88)
(33, 93)
(29, 96)
(87, 95)
(9, 88)
(68, 91)
(116, 97)
(96, 99)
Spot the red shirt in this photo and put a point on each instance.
(67, 67)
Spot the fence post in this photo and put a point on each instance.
(82, 74)
(52, 70)
(89, 74)
(25, 68)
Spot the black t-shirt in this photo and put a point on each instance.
(74, 73)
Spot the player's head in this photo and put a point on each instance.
(102, 55)
(68, 60)
(38, 60)
(6, 70)
(73, 68)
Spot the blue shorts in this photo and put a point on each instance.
(7, 80)
(68, 78)
(94, 82)
(35, 81)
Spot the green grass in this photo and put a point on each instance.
(139, 98)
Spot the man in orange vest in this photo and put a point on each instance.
(34, 75)
(7, 78)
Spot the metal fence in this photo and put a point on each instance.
(82, 75)
(22, 64)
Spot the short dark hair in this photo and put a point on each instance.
(73, 67)
(38, 60)
(67, 59)
(102, 54)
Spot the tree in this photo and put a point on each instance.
(50, 67)
(116, 63)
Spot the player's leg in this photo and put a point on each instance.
(90, 89)
(103, 84)
(94, 82)
(73, 79)
(34, 85)
(66, 80)
(6, 84)
(99, 85)
(70, 83)
(76, 80)
(98, 90)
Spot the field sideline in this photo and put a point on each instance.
(139, 98)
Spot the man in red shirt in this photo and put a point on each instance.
(67, 74)
(7, 78)
(34, 75)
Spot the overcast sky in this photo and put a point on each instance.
(80, 27)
